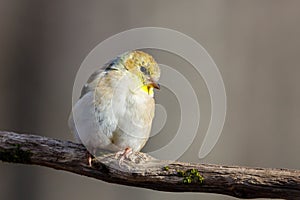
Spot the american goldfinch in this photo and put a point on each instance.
(116, 107)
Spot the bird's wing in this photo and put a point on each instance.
(95, 77)
(92, 82)
(95, 104)
(87, 88)
(85, 125)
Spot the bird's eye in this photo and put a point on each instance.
(143, 69)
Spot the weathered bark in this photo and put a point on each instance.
(142, 170)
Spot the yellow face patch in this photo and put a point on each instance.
(148, 89)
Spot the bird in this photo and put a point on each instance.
(116, 108)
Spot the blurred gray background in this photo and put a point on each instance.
(255, 44)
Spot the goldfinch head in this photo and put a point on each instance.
(140, 64)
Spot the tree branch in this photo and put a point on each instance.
(142, 170)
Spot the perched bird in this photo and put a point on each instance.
(116, 107)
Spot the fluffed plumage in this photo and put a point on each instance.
(116, 107)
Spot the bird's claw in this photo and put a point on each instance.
(123, 155)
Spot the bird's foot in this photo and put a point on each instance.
(89, 158)
(123, 155)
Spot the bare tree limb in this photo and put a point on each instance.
(145, 171)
